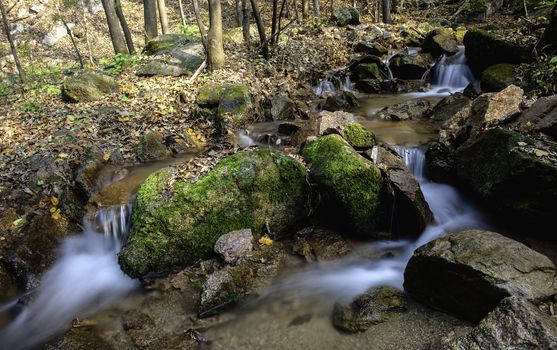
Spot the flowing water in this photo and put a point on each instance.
(452, 72)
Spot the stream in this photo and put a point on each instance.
(87, 278)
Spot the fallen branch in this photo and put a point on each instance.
(197, 72)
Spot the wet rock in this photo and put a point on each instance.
(288, 129)
(282, 108)
(87, 86)
(440, 163)
(514, 175)
(406, 205)
(151, 147)
(449, 106)
(407, 110)
(484, 49)
(497, 77)
(333, 120)
(371, 48)
(81, 339)
(541, 117)
(357, 136)
(368, 86)
(90, 164)
(176, 222)
(9, 287)
(513, 324)
(317, 244)
(440, 41)
(252, 274)
(366, 71)
(348, 183)
(468, 273)
(345, 16)
(406, 86)
(230, 103)
(234, 244)
(368, 309)
(341, 101)
(411, 67)
(473, 89)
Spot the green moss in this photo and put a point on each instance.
(498, 77)
(367, 71)
(178, 225)
(358, 136)
(231, 103)
(349, 183)
(164, 44)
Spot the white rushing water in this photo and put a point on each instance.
(85, 279)
(452, 72)
(354, 274)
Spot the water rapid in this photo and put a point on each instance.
(356, 273)
(452, 72)
(85, 279)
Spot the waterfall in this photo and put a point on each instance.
(338, 82)
(353, 274)
(452, 72)
(85, 279)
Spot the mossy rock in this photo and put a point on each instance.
(230, 102)
(498, 77)
(366, 71)
(152, 147)
(177, 222)
(485, 49)
(349, 183)
(357, 136)
(512, 176)
(345, 16)
(164, 44)
(87, 86)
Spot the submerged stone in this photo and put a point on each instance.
(177, 222)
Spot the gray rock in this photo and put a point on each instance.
(345, 16)
(152, 147)
(468, 273)
(370, 308)
(450, 106)
(333, 120)
(181, 58)
(406, 204)
(440, 41)
(410, 66)
(16, 28)
(87, 86)
(341, 101)
(371, 48)
(234, 244)
(514, 324)
(36, 9)
(93, 6)
(281, 108)
(541, 116)
(56, 34)
(407, 110)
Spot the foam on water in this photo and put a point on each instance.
(452, 72)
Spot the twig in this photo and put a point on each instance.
(197, 72)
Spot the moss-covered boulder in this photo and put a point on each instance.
(484, 49)
(164, 44)
(357, 136)
(177, 222)
(345, 16)
(231, 103)
(181, 58)
(348, 183)
(515, 176)
(366, 71)
(87, 86)
(498, 77)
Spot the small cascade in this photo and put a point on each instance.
(353, 275)
(452, 72)
(85, 279)
(339, 81)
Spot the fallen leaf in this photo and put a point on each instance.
(265, 240)
(19, 222)
(54, 200)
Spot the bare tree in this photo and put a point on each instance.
(239, 16)
(124, 24)
(245, 23)
(163, 16)
(202, 30)
(11, 41)
(305, 9)
(70, 34)
(215, 47)
(260, 29)
(386, 9)
(118, 41)
(150, 19)
(182, 15)
(274, 20)
(316, 10)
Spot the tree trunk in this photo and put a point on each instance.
(316, 10)
(86, 32)
(260, 29)
(276, 38)
(150, 19)
(74, 44)
(118, 41)
(295, 5)
(182, 15)
(215, 48)
(246, 23)
(11, 41)
(386, 8)
(124, 24)
(304, 9)
(548, 41)
(200, 25)
(161, 5)
(274, 21)
(239, 16)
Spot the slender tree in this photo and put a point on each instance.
(118, 41)
(548, 41)
(161, 5)
(202, 30)
(215, 47)
(124, 24)
(316, 10)
(386, 9)
(305, 9)
(260, 29)
(150, 19)
(245, 23)
(11, 41)
(239, 15)
(274, 20)
(182, 15)
(70, 35)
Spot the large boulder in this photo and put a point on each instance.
(540, 117)
(357, 136)
(450, 106)
(231, 103)
(485, 49)
(328, 121)
(87, 86)
(164, 44)
(348, 183)
(439, 163)
(498, 77)
(469, 272)
(440, 41)
(515, 175)
(345, 16)
(341, 101)
(372, 307)
(176, 222)
(371, 48)
(406, 204)
(514, 324)
(410, 66)
(180, 56)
